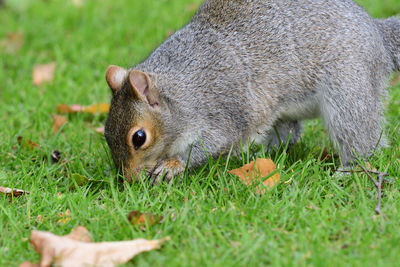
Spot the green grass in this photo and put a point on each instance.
(212, 218)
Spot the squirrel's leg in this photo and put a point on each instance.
(194, 155)
(352, 115)
(283, 132)
(167, 169)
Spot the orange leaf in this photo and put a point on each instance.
(63, 108)
(43, 73)
(58, 121)
(64, 217)
(27, 143)
(141, 219)
(254, 171)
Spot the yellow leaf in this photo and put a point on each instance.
(97, 108)
(75, 108)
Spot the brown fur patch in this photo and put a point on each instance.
(174, 164)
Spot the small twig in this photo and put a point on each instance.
(378, 206)
(370, 177)
(377, 184)
(369, 171)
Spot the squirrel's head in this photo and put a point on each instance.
(133, 129)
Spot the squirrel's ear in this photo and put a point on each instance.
(142, 87)
(116, 77)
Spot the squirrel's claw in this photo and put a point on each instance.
(166, 170)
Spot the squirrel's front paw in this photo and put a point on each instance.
(166, 170)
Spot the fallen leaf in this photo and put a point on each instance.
(43, 73)
(313, 207)
(100, 130)
(39, 218)
(367, 165)
(98, 108)
(29, 264)
(12, 191)
(58, 121)
(64, 217)
(143, 219)
(63, 108)
(77, 3)
(92, 109)
(168, 33)
(80, 233)
(251, 173)
(12, 42)
(192, 7)
(64, 251)
(79, 179)
(26, 143)
(325, 155)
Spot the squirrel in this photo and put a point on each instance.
(253, 70)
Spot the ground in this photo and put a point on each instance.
(310, 218)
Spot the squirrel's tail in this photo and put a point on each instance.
(390, 30)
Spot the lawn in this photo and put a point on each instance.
(310, 218)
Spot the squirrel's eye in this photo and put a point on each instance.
(138, 139)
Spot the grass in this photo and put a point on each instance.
(311, 218)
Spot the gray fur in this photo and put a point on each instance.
(241, 67)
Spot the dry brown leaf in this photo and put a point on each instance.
(63, 109)
(92, 109)
(64, 251)
(325, 155)
(58, 121)
(251, 173)
(12, 42)
(26, 143)
(143, 219)
(12, 191)
(43, 73)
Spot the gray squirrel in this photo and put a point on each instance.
(252, 70)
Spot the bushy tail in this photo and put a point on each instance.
(390, 30)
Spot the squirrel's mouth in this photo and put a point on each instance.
(132, 174)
